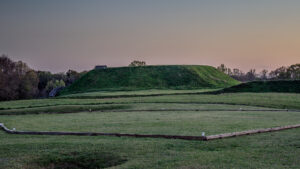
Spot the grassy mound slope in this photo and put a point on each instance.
(151, 77)
(285, 86)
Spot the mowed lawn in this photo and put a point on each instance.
(136, 92)
(177, 115)
(271, 100)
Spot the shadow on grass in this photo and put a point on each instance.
(63, 109)
(78, 160)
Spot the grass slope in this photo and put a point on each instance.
(285, 86)
(151, 77)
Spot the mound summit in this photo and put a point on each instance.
(151, 77)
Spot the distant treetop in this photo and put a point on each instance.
(137, 63)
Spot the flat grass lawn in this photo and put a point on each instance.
(271, 100)
(172, 123)
(178, 115)
(136, 92)
(57, 109)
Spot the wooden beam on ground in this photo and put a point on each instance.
(101, 134)
(202, 138)
(248, 132)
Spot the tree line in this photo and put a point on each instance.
(291, 72)
(19, 81)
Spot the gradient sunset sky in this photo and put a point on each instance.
(58, 35)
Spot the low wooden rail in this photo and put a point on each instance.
(202, 138)
(100, 134)
(249, 132)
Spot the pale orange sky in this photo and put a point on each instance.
(71, 34)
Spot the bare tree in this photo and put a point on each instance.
(294, 71)
(264, 74)
(251, 75)
(280, 73)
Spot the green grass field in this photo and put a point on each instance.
(181, 114)
(150, 92)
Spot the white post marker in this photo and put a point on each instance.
(203, 134)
